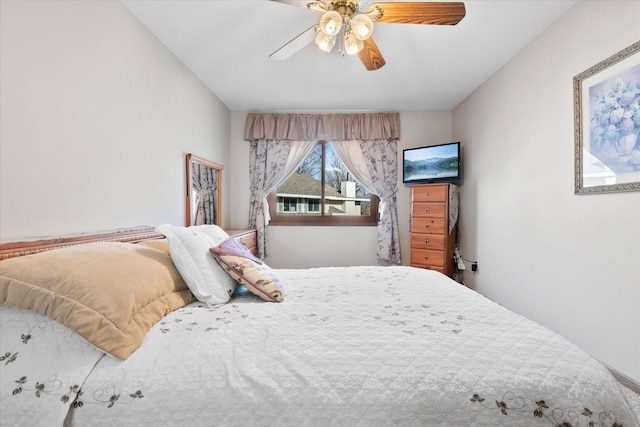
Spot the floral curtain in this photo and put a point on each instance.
(381, 159)
(373, 163)
(377, 135)
(205, 185)
(270, 164)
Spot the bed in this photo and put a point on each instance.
(343, 346)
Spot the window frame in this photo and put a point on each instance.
(322, 219)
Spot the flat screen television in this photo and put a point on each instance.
(436, 163)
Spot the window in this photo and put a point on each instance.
(313, 205)
(322, 192)
(289, 204)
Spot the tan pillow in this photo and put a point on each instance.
(109, 293)
(248, 270)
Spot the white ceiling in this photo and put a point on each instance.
(227, 43)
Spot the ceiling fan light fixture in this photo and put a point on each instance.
(342, 22)
(362, 26)
(325, 42)
(352, 45)
(331, 23)
(316, 6)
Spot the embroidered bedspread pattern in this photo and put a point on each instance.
(357, 346)
(42, 368)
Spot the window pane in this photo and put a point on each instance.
(344, 196)
(302, 200)
(301, 193)
(290, 204)
(313, 205)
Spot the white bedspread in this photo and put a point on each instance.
(42, 367)
(356, 346)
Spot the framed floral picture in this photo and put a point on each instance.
(607, 124)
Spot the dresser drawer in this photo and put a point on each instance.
(427, 210)
(246, 238)
(431, 193)
(427, 241)
(428, 225)
(425, 257)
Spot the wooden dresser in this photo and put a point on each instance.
(432, 245)
(245, 237)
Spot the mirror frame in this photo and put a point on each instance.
(189, 214)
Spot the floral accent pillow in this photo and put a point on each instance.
(248, 270)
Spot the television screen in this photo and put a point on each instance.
(437, 163)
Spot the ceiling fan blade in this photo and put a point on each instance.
(370, 55)
(299, 3)
(436, 13)
(295, 44)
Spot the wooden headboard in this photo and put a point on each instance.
(134, 234)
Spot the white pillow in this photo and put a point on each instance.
(189, 249)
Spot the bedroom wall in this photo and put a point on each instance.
(305, 247)
(569, 262)
(96, 116)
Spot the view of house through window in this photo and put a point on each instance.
(322, 189)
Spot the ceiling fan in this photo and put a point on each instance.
(343, 22)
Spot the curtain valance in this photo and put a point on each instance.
(330, 127)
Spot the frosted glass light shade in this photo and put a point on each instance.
(362, 27)
(325, 42)
(352, 45)
(331, 23)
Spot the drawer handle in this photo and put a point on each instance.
(426, 257)
(426, 242)
(426, 226)
(426, 209)
(428, 194)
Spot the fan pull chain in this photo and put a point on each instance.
(341, 50)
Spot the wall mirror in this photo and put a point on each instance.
(204, 191)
